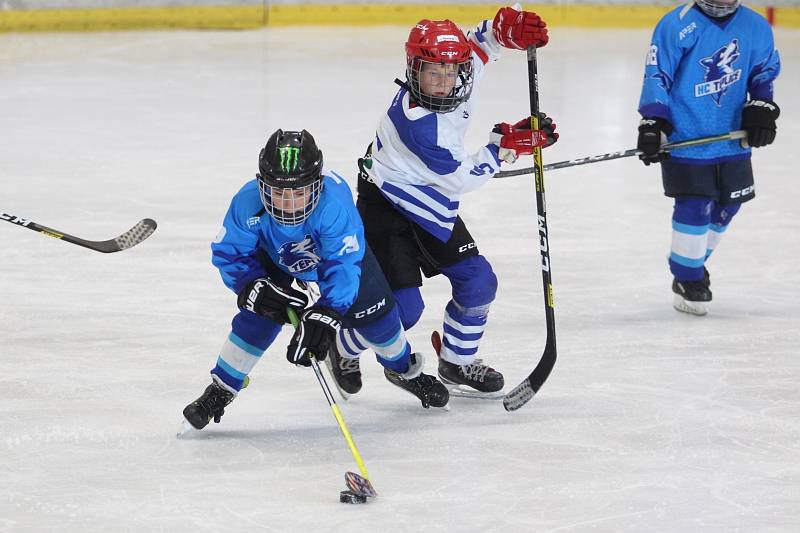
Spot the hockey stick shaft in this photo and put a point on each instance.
(332, 402)
(733, 135)
(139, 232)
(523, 392)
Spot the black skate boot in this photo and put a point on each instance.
(346, 372)
(691, 296)
(210, 405)
(475, 375)
(425, 387)
(706, 278)
(474, 380)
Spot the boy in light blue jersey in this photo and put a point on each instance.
(294, 224)
(710, 70)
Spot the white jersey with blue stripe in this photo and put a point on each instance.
(419, 161)
(699, 72)
(326, 248)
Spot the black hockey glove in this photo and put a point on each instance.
(652, 134)
(315, 333)
(264, 297)
(758, 119)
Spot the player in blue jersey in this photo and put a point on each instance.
(295, 224)
(710, 70)
(412, 179)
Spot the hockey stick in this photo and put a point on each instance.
(523, 392)
(361, 485)
(737, 134)
(139, 232)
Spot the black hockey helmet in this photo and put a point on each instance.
(290, 176)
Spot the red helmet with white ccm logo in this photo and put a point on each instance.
(438, 65)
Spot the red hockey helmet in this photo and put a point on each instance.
(438, 65)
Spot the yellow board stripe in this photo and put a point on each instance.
(241, 17)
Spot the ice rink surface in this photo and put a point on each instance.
(651, 421)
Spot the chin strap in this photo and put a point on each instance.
(402, 84)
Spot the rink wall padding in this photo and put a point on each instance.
(373, 14)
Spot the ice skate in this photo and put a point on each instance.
(691, 296)
(425, 387)
(474, 380)
(210, 405)
(346, 372)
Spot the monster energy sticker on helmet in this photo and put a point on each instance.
(289, 158)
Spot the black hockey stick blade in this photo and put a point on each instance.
(525, 391)
(138, 233)
(360, 485)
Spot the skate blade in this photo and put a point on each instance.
(463, 391)
(445, 407)
(692, 308)
(343, 393)
(186, 429)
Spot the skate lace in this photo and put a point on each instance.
(349, 365)
(475, 371)
(215, 402)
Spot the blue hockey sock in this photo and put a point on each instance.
(721, 216)
(249, 338)
(690, 221)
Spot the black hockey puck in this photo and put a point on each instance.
(348, 496)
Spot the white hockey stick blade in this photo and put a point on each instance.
(519, 396)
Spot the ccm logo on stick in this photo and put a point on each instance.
(15, 220)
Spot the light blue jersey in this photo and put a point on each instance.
(326, 248)
(699, 73)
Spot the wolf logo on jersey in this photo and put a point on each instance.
(299, 256)
(719, 72)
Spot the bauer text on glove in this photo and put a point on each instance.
(264, 297)
(314, 334)
(758, 120)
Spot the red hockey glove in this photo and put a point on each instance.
(518, 139)
(519, 29)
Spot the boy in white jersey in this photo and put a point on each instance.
(413, 176)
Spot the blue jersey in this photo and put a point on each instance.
(326, 248)
(699, 72)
